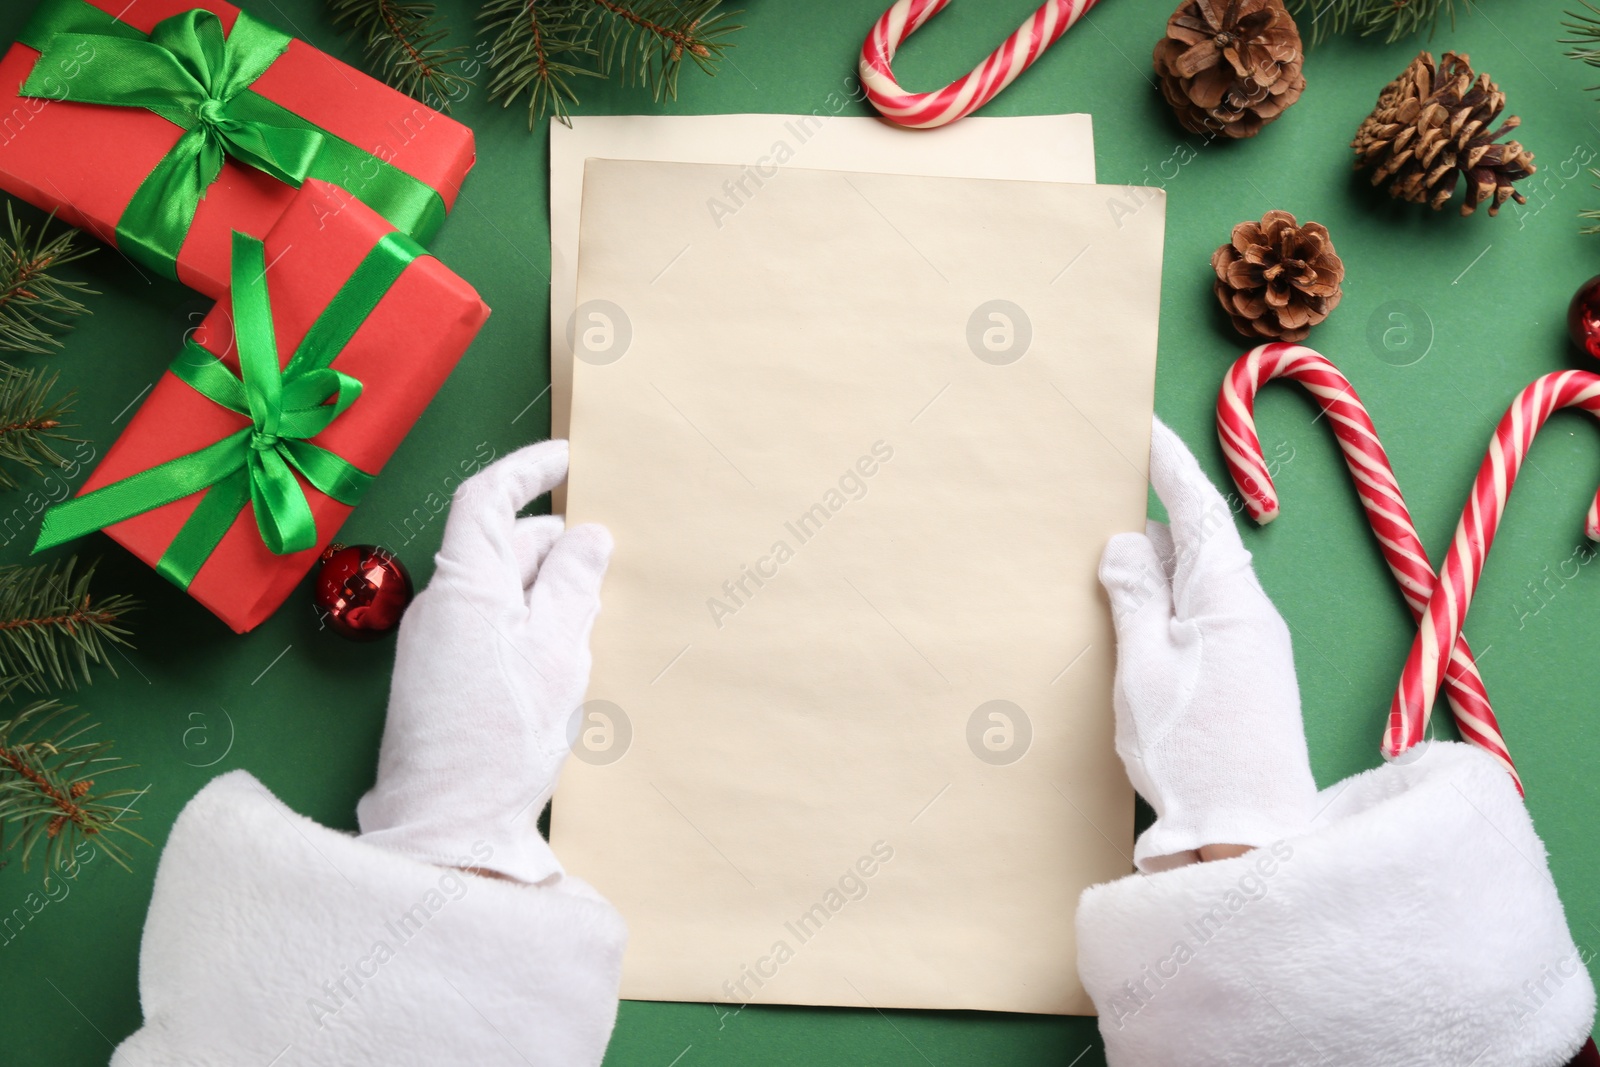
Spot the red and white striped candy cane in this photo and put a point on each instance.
(1380, 498)
(960, 98)
(1463, 565)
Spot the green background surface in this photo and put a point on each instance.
(1482, 315)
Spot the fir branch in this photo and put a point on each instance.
(535, 50)
(29, 421)
(51, 629)
(1585, 39)
(540, 46)
(1321, 19)
(406, 43)
(34, 301)
(649, 39)
(1592, 214)
(48, 771)
(1585, 42)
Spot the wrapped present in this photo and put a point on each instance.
(163, 126)
(236, 472)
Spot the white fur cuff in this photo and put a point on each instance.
(1415, 926)
(271, 939)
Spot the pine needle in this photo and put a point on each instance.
(1592, 214)
(534, 50)
(540, 46)
(51, 630)
(34, 302)
(649, 39)
(1321, 19)
(48, 803)
(1585, 42)
(29, 421)
(406, 43)
(1585, 39)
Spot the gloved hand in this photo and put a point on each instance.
(493, 660)
(1208, 711)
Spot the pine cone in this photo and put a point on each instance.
(1277, 279)
(1431, 126)
(1230, 66)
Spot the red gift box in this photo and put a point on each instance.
(401, 354)
(86, 161)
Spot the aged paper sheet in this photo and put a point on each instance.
(1049, 148)
(860, 443)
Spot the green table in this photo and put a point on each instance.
(303, 710)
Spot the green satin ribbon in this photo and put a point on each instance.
(193, 76)
(286, 407)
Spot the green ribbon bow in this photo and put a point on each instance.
(193, 76)
(256, 465)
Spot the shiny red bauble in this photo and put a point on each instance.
(362, 590)
(1583, 317)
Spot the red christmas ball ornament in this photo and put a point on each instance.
(1583, 317)
(362, 590)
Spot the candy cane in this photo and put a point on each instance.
(1447, 608)
(960, 98)
(1380, 498)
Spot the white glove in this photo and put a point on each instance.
(493, 659)
(1208, 712)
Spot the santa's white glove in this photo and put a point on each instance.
(1208, 712)
(493, 659)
